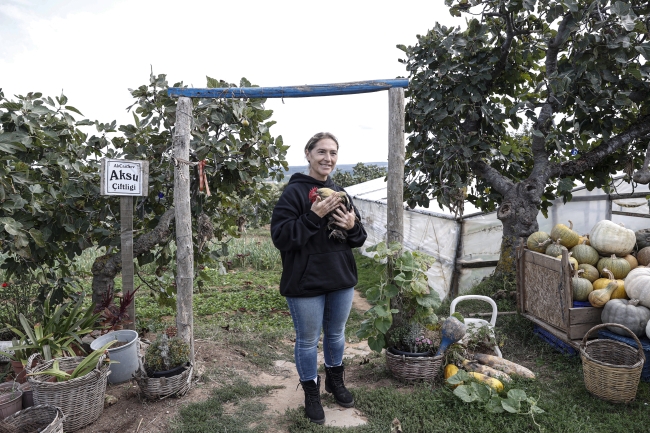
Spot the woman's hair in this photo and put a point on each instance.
(318, 137)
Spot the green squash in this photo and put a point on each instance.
(617, 265)
(555, 249)
(568, 237)
(538, 242)
(584, 253)
(581, 286)
(590, 272)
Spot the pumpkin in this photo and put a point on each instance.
(555, 249)
(611, 238)
(632, 261)
(450, 370)
(590, 272)
(628, 313)
(601, 283)
(584, 239)
(538, 242)
(574, 263)
(598, 298)
(617, 265)
(642, 238)
(581, 286)
(643, 256)
(565, 235)
(637, 285)
(585, 254)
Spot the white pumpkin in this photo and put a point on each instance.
(611, 238)
(637, 285)
(627, 313)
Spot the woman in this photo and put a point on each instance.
(315, 232)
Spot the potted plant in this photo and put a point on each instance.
(166, 357)
(88, 364)
(57, 334)
(411, 340)
(113, 318)
(403, 314)
(401, 301)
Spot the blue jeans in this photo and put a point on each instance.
(329, 311)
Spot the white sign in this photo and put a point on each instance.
(124, 178)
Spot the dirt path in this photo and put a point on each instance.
(125, 412)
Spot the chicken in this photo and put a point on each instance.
(323, 193)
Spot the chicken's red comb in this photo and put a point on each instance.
(313, 193)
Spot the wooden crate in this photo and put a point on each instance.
(545, 296)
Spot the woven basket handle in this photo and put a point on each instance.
(34, 359)
(604, 325)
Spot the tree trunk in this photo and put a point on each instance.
(106, 267)
(518, 214)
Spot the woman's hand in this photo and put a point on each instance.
(322, 207)
(344, 219)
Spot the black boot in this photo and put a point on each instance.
(313, 407)
(334, 384)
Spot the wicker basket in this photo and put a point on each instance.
(413, 367)
(80, 399)
(42, 418)
(612, 369)
(157, 388)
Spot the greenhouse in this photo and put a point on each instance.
(467, 248)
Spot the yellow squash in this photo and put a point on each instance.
(493, 383)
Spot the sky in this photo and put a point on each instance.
(94, 51)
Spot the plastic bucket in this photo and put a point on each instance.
(126, 355)
(10, 403)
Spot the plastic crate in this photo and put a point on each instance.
(554, 342)
(581, 304)
(645, 343)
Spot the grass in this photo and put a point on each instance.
(243, 309)
(422, 408)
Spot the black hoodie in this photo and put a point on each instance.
(312, 262)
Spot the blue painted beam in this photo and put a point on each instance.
(305, 91)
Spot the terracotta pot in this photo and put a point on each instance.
(19, 371)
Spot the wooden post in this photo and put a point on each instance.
(395, 188)
(184, 248)
(126, 238)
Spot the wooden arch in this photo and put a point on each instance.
(181, 143)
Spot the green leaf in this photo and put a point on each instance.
(71, 108)
(37, 236)
(11, 226)
(466, 393)
(517, 394)
(494, 405)
(510, 405)
(377, 343)
(383, 324)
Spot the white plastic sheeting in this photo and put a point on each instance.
(434, 231)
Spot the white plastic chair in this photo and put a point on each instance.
(479, 322)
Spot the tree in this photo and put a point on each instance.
(51, 169)
(360, 173)
(573, 72)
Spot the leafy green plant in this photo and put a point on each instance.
(515, 401)
(166, 353)
(61, 328)
(406, 297)
(410, 337)
(88, 364)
